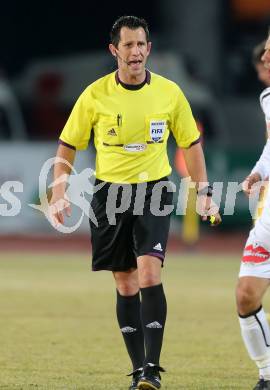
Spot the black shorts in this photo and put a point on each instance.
(139, 227)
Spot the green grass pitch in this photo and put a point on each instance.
(58, 328)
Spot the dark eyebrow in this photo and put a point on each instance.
(130, 42)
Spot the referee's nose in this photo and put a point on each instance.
(136, 50)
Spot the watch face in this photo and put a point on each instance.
(209, 191)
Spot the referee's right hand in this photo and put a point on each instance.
(58, 208)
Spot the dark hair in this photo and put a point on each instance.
(257, 53)
(132, 22)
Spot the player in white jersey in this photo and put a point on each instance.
(263, 76)
(262, 72)
(254, 276)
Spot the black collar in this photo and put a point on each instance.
(134, 87)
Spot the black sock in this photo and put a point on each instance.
(153, 314)
(128, 309)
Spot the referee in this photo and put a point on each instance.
(131, 113)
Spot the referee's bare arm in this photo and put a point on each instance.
(59, 204)
(194, 159)
(195, 162)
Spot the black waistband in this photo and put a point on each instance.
(153, 182)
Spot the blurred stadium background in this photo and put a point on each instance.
(49, 53)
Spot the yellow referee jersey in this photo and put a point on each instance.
(131, 127)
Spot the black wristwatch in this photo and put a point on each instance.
(208, 191)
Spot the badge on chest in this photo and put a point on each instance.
(157, 130)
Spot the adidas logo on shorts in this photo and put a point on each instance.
(158, 247)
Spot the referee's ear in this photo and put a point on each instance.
(112, 49)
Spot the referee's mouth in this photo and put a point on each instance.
(135, 63)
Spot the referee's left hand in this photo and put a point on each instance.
(207, 208)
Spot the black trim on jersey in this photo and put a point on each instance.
(134, 87)
(60, 142)
(148, 142)
(148, 76)
(194, 143)
(264, 96)
(105, 144)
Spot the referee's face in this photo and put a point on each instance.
(131, 53)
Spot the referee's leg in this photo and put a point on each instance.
(153, 306)
(128, 309)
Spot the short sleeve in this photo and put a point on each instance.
(77, 130)
(265, 103)
(183, 127)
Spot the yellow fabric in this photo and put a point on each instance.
(261, 202)
(120, 118)
(191, 220)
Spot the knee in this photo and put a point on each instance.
(149, 271)
(127, 289)
(148, 278)
(246, 299)
(127, 285)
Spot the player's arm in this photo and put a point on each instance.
(59, 204)
(195, 163)
(187, 136)
(75, 136)
(261, 170)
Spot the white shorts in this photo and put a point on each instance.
(256, 256)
